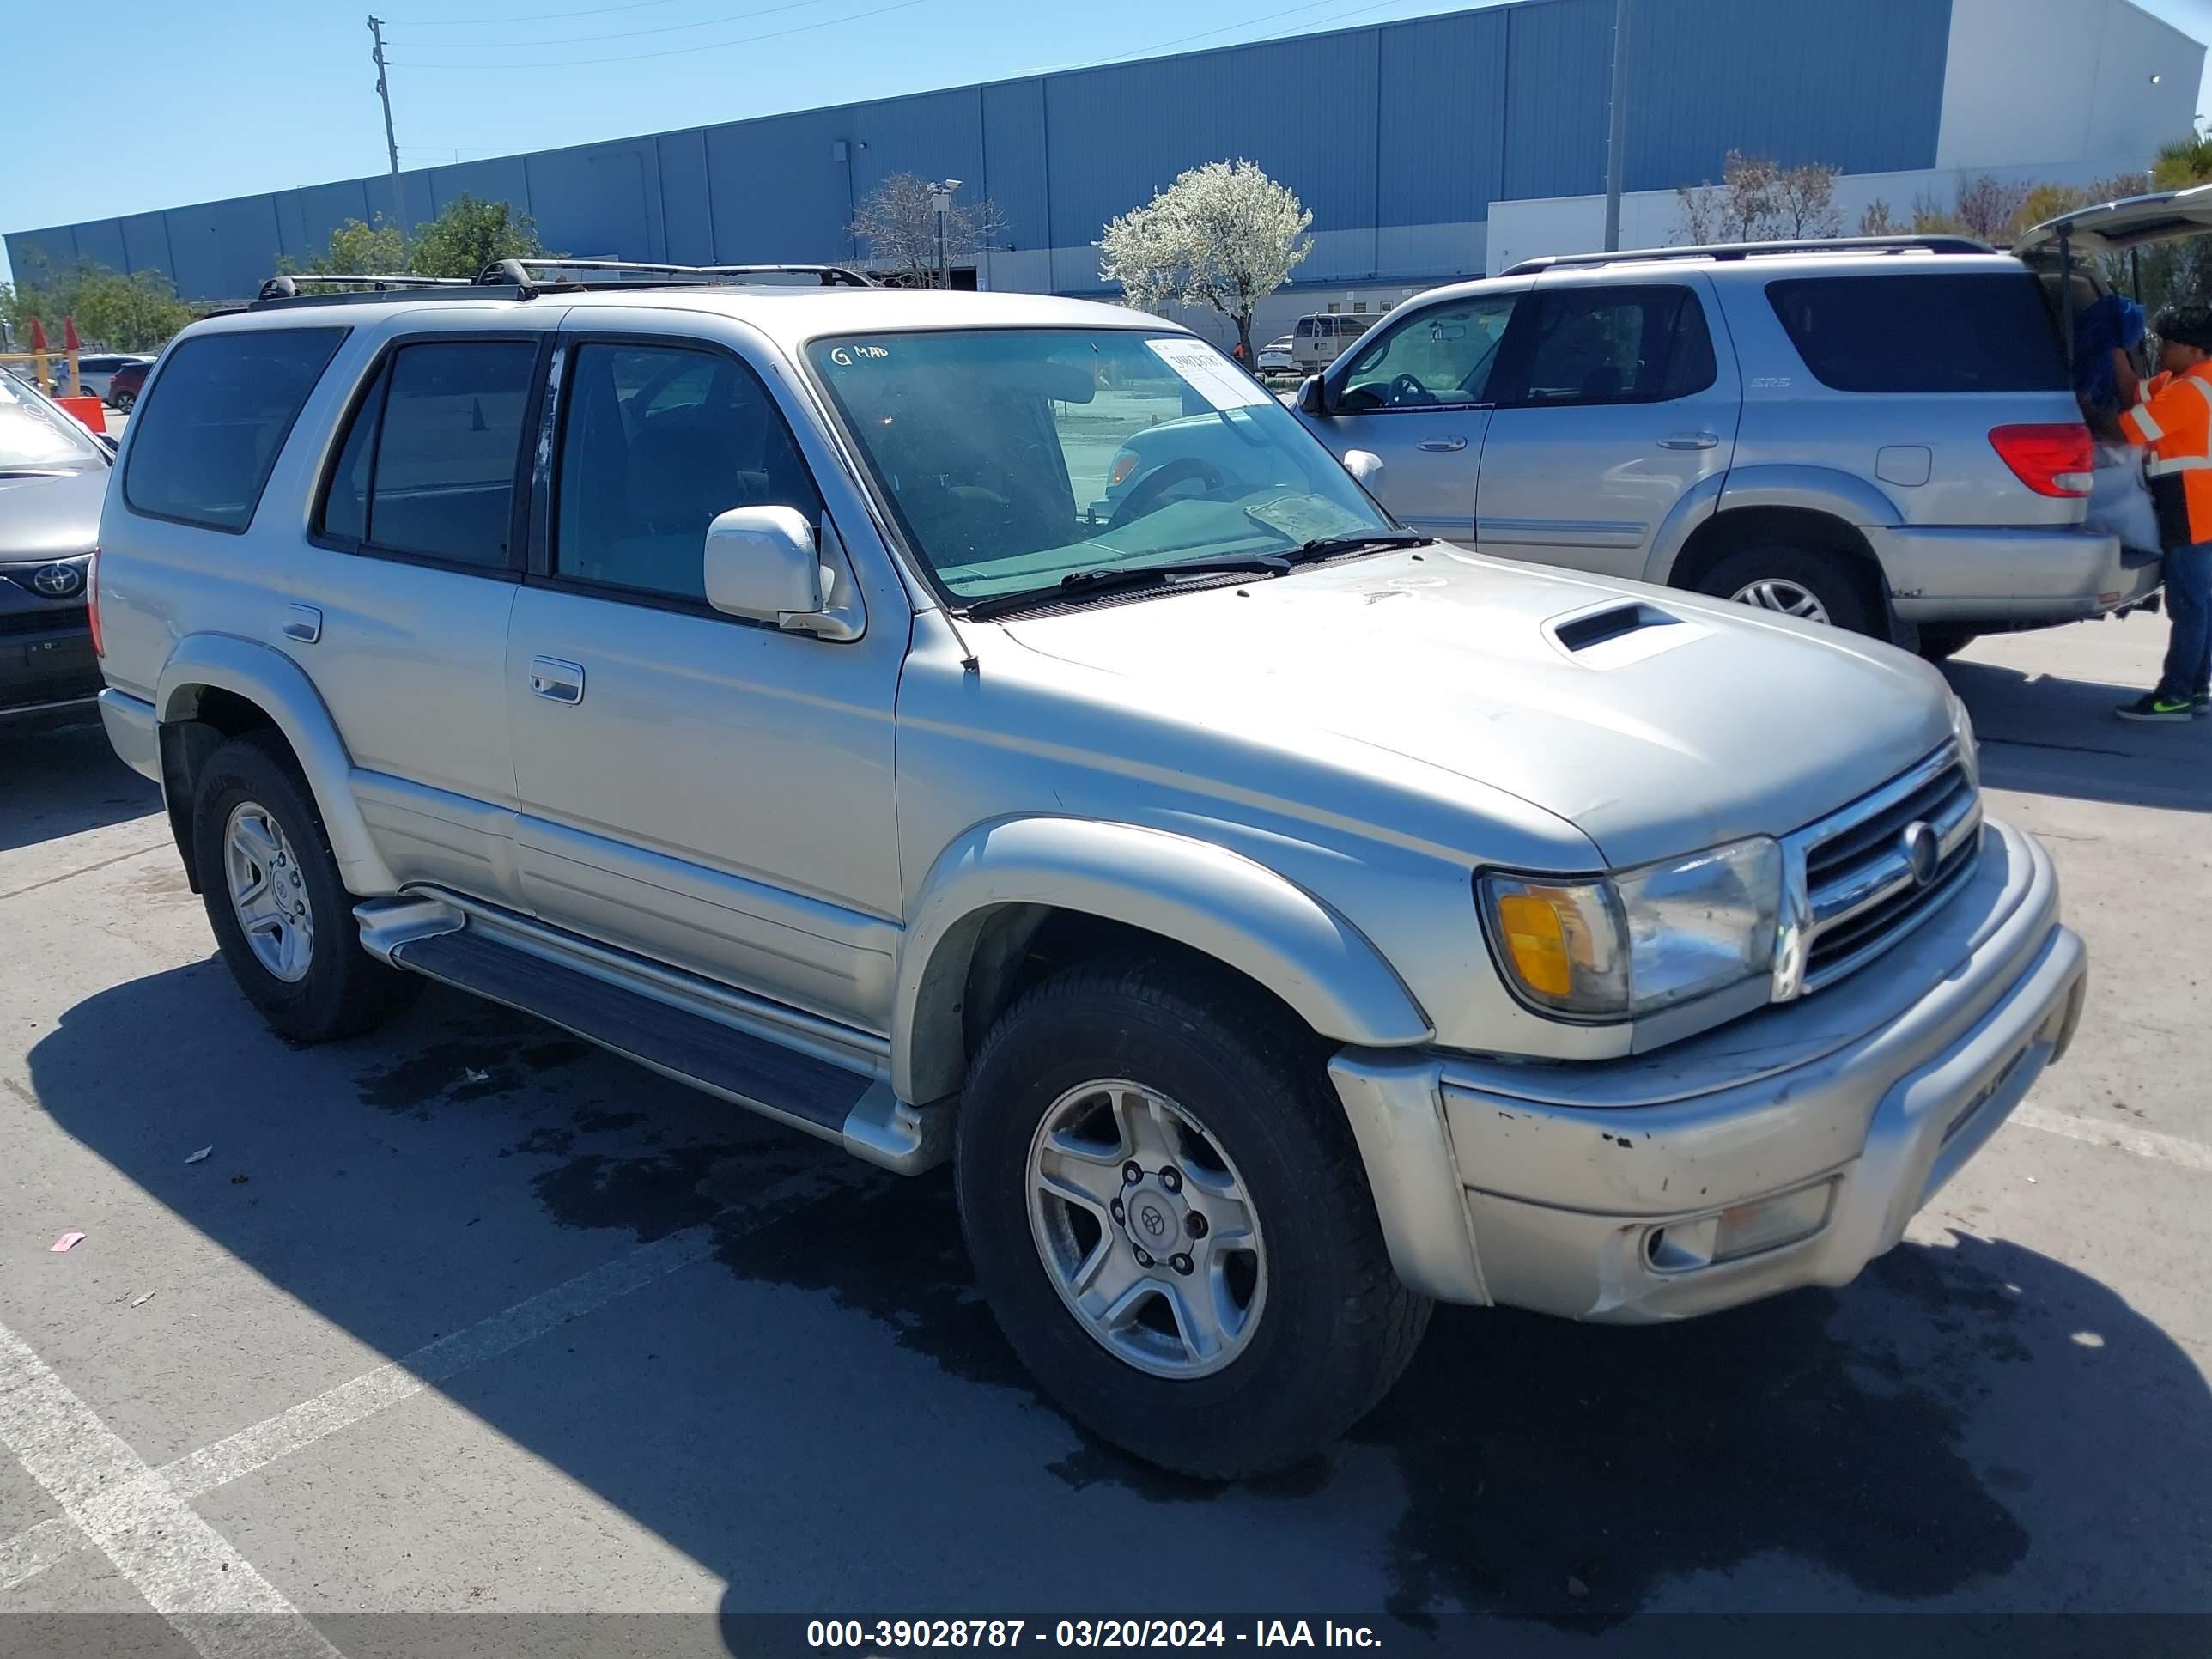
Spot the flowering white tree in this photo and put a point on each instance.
(1224, 234)
(900, 226)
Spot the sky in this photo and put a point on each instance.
(162, 104)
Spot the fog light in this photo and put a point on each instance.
(1767, 1223)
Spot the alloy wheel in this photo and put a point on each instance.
(1777, 594)
(267, 892)
(1146, 1230)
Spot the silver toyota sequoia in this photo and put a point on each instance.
(1281, 920)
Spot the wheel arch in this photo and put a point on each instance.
(216, 686)
(996, 889)
(1811, 505)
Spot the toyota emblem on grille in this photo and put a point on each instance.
(56, 581)
(1924, 854)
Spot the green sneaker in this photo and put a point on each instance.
(2152, 707)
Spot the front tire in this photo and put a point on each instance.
(1169, 1220)
(1808, 583)
(281, 913)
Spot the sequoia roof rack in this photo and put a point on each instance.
(1755, 250)
(524, 279)
(535, 274)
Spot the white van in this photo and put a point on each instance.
(1320, 338)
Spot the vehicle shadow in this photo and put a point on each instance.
(62, 779)
(2044, 735)
(823, 1413)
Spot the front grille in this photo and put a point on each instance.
(57, 619)
(1853, 883)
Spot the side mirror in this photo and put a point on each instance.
(1312, 399)
(1366, 467)
(763, 564)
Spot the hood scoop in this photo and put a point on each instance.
(1617, 633)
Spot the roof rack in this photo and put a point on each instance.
(535, 274)
(288, 287)
(524, 279)
(1751, 250)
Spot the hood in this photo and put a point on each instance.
(1656, 722)
(49, 516)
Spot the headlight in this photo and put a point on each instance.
(1629, 945)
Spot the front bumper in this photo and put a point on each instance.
(1571, 1190)
(1968, 574)
(47, 672)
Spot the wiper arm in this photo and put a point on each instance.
(1329, 547)
(1109, 578)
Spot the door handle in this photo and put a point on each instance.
(1691, 440)
(1444, 446)
(557, 681)
(303, 622)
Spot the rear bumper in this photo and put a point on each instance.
(1967, 575)
(1597, 1192)
(132, 732)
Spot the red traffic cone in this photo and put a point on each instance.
(69, 334)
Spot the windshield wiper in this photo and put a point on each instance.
(1330, 547)
(1113, 579)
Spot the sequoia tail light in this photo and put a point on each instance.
(92, 602)
(2051, 459)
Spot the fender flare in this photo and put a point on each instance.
(1690, 510)
(278, 685)
(1840, 495)
(1215, 901)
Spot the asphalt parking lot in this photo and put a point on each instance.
(466, 1317)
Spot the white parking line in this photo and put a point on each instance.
(187, 1571)
(199, 1472)
(2144, 1143)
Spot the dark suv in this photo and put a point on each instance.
(53, 477)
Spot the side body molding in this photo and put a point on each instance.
(1205, 897)
(277, 684)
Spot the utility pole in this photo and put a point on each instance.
(390, 143)
(940, 203)
(1616, 135)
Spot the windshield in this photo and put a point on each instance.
(36, 437)
(1015, 458)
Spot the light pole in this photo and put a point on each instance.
(1616, 132)
(940, 203)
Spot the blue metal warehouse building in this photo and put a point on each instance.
(1400, 136)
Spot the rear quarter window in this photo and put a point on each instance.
(1987, 331)
(202, 444)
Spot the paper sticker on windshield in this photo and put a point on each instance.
(1209, 374)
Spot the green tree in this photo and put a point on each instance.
(469, 235)
(136, 312)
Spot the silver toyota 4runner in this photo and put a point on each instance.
(1877, 433)
(1280, 920)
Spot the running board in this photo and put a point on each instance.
(805, 1072)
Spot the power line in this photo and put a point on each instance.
(676, 51)
(620, 34)
(539, 17)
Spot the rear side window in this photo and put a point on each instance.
(428, 463)
(1985, 331)
(203, 446)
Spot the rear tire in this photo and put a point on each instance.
(1941, 641)
(1234, 1119)
(1810, 583)
(264, 861)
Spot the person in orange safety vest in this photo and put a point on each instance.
(2173, 420)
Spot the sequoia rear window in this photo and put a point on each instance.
(1986, 330)
(202, 445)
